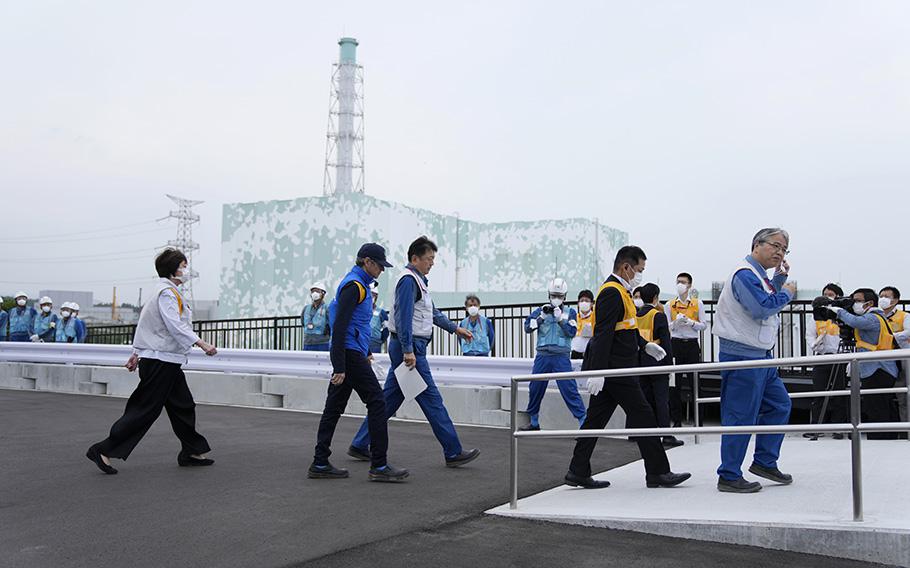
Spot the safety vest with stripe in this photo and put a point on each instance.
(885, 338)
(630, 320)
(688, 309)
(646, 325)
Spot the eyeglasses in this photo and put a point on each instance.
(778, 247)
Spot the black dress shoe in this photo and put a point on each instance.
(463, 458)
(771, 473)
(672, 442)
(838, 435)
(529, 428)
(737, 486)
(186, 460)
(589, 482)
(95, 455)
(358, 454)
(666, 479)
(388, 473)
(327, 471)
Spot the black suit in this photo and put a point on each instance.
(610, 349)
(657, 387)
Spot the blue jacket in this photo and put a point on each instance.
(378, 332)
(22, 320)
(406, 295)
(748, 291)
(81, 331)
(357, 334)
(869, 326)
(44, 329)
(484, 336)
(66, 330)
(553, 337)
(4, 320)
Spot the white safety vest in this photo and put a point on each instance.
(734, 323)
(151, 332)
(423, 309)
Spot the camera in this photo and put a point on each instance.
(547, 309)
(820, 312)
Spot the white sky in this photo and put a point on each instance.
(687, 124)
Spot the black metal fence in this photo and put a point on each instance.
(284, 332)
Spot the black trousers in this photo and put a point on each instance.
(656, 389)
(685, 352)
(836, 376)
(576, 355)
(359, 377)
(625, 392)
(161, 385)
(877, 407)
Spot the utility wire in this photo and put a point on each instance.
(76, 233)
(69, 240)
(74, 258)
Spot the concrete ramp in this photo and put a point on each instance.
(813, 515)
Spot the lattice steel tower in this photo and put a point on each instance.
(184, 241)
(344, 139)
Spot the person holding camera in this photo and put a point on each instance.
(747, 322)
(823, 338)
(872, 333)
(556, 326)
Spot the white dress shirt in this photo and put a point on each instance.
(680, 330)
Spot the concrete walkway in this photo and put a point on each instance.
(256, 508)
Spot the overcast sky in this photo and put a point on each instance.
(687, 124)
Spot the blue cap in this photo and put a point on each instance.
(374, 252)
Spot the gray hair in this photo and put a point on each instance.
(470, 297)
(763, 235)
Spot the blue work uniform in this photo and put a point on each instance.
(46, 327)
(4, 324)
(403, 340)
(379, 331)
(484, 337)
(554, 346)
(316, 328)
(22, 323)
(81, 330)
(66, 330)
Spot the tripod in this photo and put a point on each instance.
(843, 347)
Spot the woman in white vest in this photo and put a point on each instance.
(163, 337)
(747, 323)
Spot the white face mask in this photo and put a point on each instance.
(681, 288)
(65, 313)
(473, 310)
(884, 303)
(584, 306)
(316, 296)
(858, 308)
(21, 302)
(638, 302)
(185, 274)
(555, 302)
(46, 309)
(637, 279)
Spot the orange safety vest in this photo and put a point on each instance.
(896, 321)
(629, 321)
(646, 325)
(582, 320)
(688, 309)
(885, 338)
(826, 327)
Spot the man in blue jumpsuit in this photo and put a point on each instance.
(22, 319)
(314, 318)
(747, 322)
(66, 326)
(46, 322)
(4, 324)
(411, 323)
(555, 326)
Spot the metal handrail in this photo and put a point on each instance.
(855, 426)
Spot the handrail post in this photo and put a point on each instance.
(513, 447)
(906, 370)
(695, 398)
(856, 441)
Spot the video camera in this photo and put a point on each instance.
(820, 312)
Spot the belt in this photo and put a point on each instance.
(684, 339)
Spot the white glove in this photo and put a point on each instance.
(835, 309)
(533, 324)
(587, 331)
(557, 313)
(34, 338)
(655, 351)
(817, 345)
(595, 385)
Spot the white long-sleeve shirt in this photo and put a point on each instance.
(680, 330)
(826, 346)
(180, 329)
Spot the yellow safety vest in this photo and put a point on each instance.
(646, 325)
(826, 327)
(582, 320)
(629, 321)
(896, 321)
(688, 309)
(885, 338)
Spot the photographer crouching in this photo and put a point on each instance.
(872, 333)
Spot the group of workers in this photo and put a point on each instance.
(25, 323)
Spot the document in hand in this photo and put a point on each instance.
(410, 381)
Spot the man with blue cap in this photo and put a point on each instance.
(350, 314)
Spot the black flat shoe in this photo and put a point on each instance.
(186, 460)
(94, 455)
(358, 454)
(666, 479)
(771, 473)
(589, 482)
(327, 471)
(388, 473)
(672, 442)
(463, 458)
(529, 428)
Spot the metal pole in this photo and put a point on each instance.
(906, 368)
(513, 448)
(856, 441)
(695, 398)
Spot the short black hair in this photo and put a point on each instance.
(893, 290)
(834, 288)
(685, 275)
(649, 292)
(420, 247)
(470, 297)
(869, 294)
(586, 294)
(636, 291)
(168, 261)
(631, 254)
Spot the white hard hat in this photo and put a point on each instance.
(21, 295)
(318, 286)
(65, 306)
(74, 306)
(45, 300)
(558, 286)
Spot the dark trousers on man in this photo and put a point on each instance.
(161, 385)
(656, 389)
(685, 352)
(359, 377)
(829, 377)
(877, 407)
(626, 393)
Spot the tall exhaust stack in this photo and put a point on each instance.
(344, 139)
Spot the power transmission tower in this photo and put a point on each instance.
(344, 139)
(184, 241)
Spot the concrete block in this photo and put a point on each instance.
(18, 383)
(494, 418)
(221, 388)
(297, 392)
(35, 370)
(265, 400)
(62, 378)
(88, 387)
